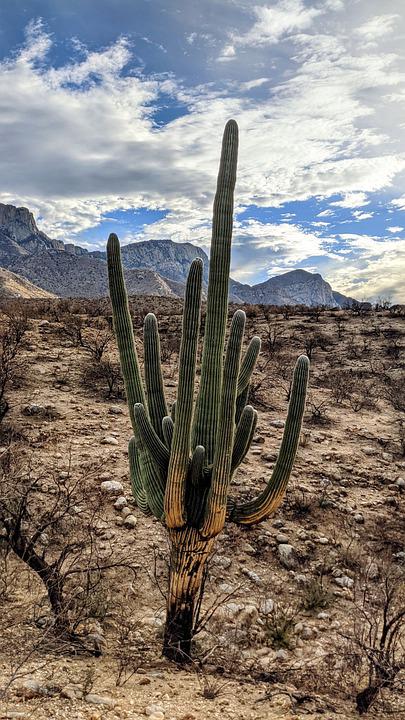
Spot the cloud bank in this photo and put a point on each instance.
(320, 121)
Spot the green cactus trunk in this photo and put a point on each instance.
(182, 464)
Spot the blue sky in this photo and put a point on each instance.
(112, 111)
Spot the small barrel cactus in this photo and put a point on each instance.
(182, 462)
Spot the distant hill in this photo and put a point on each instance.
(15, 286)
(154, 267)
(297, 287)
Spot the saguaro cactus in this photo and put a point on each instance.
(182, 463)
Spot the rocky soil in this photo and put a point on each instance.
(283, 599)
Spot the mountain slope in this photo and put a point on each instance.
(172, 260)
(297, 287)
(15, 286)
(71, 276)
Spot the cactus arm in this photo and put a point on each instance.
(197, 465)
(217, 497)
(268, 501)
(181, 443)
(153, 374)
(123, 328)
(148, 474)
(243, 436)
(167, 429)
(209, 397)
(173, 411)
(248, 363)
(241, 401)
(197, 487)
(150, 440)
(136, 478)
(152, 482)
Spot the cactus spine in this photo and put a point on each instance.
(182, 463)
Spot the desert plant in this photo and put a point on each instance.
(182, 465)
(377, 636)
(279, 626)
(12, 332)
(315, 596)
(105, 376)
(274, 335)
(45, 524)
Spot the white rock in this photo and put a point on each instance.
(130, 521)
(369, 450)
(287, 555)
(112, 487)
(31, 689)
(252, 576)
(109, 440)
(400, 483)
(281, 654)
(153, 709)
(120, 502)
(344, 581)
(223, 562)
(115, 410)
(281, 539)
(94, 699)
(358, 518)
(266, 606)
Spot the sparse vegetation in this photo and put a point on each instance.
(128, 610)
(307, 607)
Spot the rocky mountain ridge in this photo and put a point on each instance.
(173, 259)
(297, 287)
(154, 267)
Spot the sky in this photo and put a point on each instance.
(112, 111)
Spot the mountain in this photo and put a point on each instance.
(71, 276)
(15, 286)
(343, 301)
(154, 267)
(297, 287)
(172, 260)
(65, 269)
(20, 236)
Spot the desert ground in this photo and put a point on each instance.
(292, 608)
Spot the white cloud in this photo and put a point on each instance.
(251, 84)
(395, 229)
(399, 202)
(227, 53)
(373, 268)
(359, 215)
(352, 200)
(376, 28)
(274, 22)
